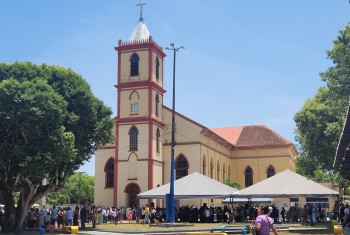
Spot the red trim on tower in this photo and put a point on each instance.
(140, 120)
(115, 190)
(140, 84)
(150, 124)
(132, 45)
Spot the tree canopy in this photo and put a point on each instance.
(50, 124)
(319, 123)
(79, 189)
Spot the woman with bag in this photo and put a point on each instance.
(263, 223)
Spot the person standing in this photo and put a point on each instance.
(60, 217)
(283, 214)
(42, 214)
(304, 214)
(264, 223)
(116, 216)
(76, 216)
(147, 212)
(31, 218)
(130, 214)
(137, 214)
(53, 215)
(310, 216)
(69, 216)
(83, 217)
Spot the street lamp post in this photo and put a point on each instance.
(170, 211)
(79, 195)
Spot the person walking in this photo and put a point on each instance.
(263, 223)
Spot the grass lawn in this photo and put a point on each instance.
(145, 228)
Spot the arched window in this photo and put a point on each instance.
(223, 172)
(248, 176)
(218, 171)
(211, 168)
(157, 105)
(181, 167)
(157, 68)
(270, 171)
(204, 164)
(158, 141)
(134, 65)
(109, 169)
(229, 172)
(133, 133)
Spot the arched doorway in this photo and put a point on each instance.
(131, 191)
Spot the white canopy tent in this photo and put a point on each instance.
(286, 184)
(233, 200)
(193, 186)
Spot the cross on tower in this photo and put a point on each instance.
(141, 4)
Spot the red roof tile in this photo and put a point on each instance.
(230, 134)
(248, 136)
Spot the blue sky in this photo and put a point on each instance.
(245, 63)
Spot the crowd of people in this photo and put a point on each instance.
(80, 215)
(60, 216)
(342, 214)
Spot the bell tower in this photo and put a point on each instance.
(139, 123)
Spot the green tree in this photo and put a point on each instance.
(318, 127)
(320, 121)
(50, 124)
(79, 189)
(232, 184)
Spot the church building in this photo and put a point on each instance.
(139, 160)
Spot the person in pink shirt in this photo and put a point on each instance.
(263, 223)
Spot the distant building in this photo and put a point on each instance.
(139, 160)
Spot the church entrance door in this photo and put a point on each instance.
(131, 195)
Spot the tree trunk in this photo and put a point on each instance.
(10, 211)
(14, 217)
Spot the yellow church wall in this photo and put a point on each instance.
(124, 180)
(216, 157)
(125, 66)
(157, 174)
(166, 159)
(187, 131)
(140, 97)
(102, 195)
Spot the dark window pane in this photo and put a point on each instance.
(248, 177)
(270, 171)
(181, 167)
(134, 65)
(110, 174)
(157, 69)
(133, 138)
